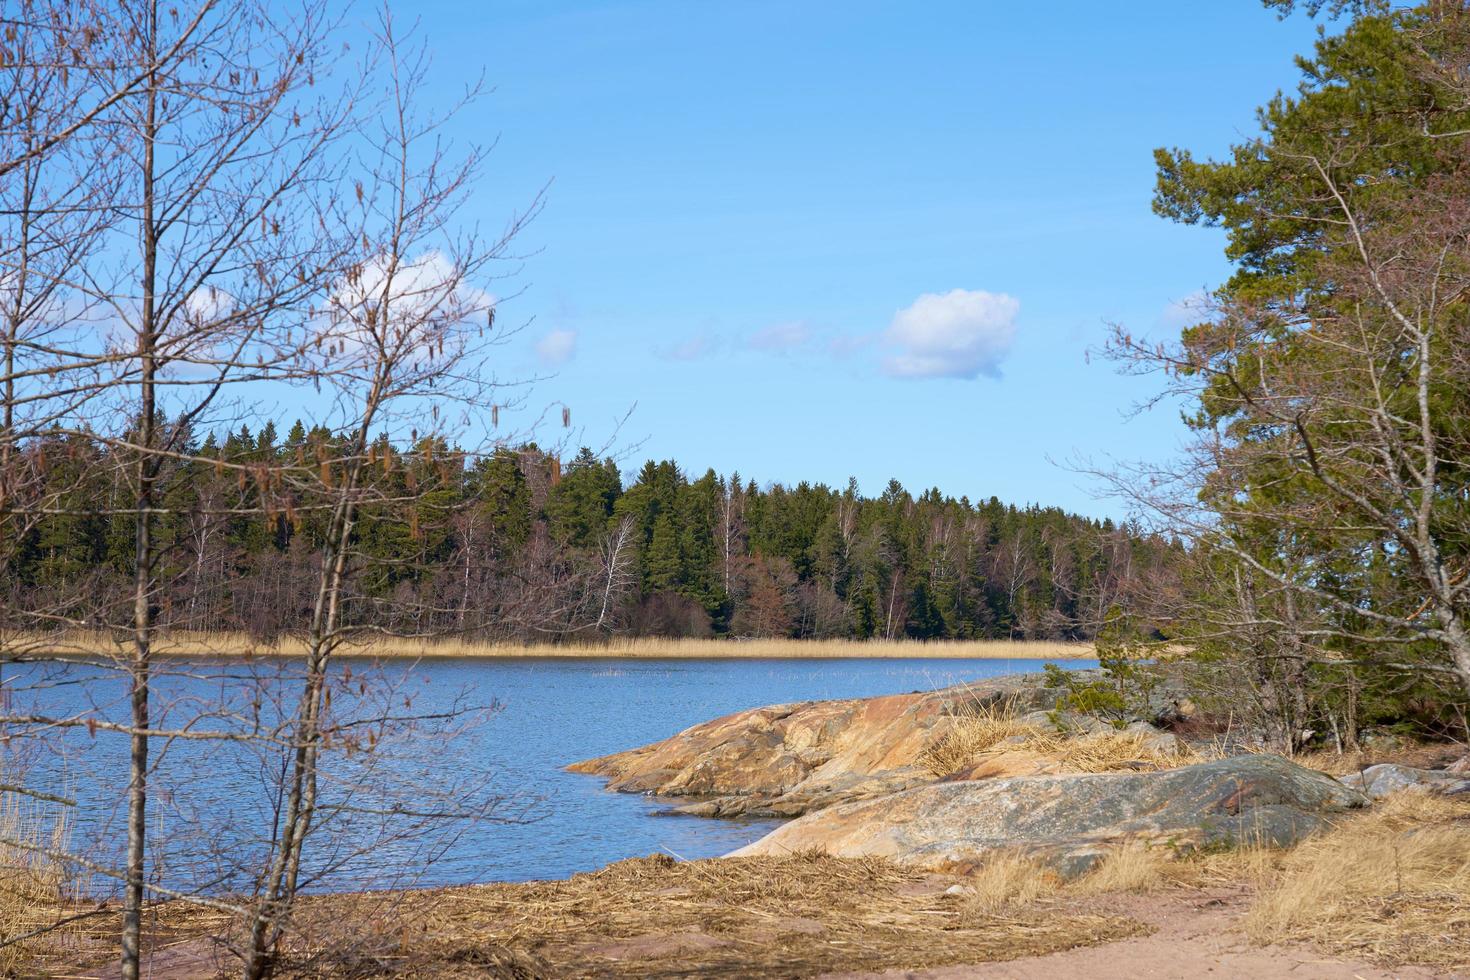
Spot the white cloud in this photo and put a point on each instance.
(431, 286)
(402, 305)
(557, 347)
(696, 347)
(959, 334)
(208, 304)
(845, 345)
(781, 337)
(1186, 312)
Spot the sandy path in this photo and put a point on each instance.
(1197, 935)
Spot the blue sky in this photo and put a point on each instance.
(813, 240)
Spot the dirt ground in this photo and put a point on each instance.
(814, 916)
(1179, 933)
(1196, 933)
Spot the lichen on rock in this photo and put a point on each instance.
(1069, 821)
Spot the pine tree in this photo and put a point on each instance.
(662, 566)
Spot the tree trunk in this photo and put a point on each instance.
(1458, 642)
(133, 895)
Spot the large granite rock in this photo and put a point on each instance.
(1069, 821)
(1381, 780)
(790, 759)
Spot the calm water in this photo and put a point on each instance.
(215, 796)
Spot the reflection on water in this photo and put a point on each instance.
(215, 798)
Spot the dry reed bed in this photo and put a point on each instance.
(241, 645)
(795, 916)
(44, 899)
(34, 888)
(1390, 885)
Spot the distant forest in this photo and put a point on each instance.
(517, 545)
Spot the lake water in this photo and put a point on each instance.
(215, 796)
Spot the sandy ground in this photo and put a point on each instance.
(1197, 935)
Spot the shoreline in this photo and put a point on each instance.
(238, 647)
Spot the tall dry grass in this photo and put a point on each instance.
(33, 887)
(1013, 880)
(981, 728)
(1131, 868)
(1391, 885)
(800, 915)
(1008, 881)
(238, 644)
(989, 727)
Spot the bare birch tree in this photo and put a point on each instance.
(169, 184)
(404, 334)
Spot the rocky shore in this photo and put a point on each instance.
(1070, 822)
(861, 776)
(786, 760)
(972, 832)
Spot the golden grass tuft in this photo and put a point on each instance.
(1336, 763)
(988, 727)
(1391, 885)
(1008, 880)
(980, 729)
(1426, 755)
(1132, 868)
(1116, 751)
(224, 644)
(33, 887)
(1143, 867)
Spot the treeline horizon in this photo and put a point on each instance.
(515, 546)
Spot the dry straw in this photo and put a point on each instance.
(799, 915)
(238, 644)
(997, 726)
(34, 888)
(1008, 880)
(1391, 885)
